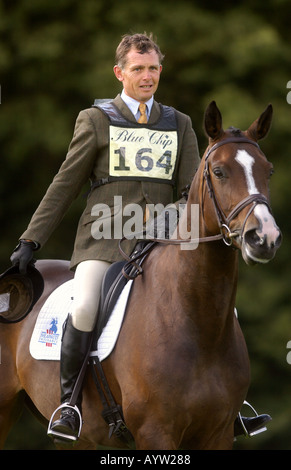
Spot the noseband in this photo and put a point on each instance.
(253, 199)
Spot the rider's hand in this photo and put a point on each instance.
(23, 254)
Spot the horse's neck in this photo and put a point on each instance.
(211, 266)
(207, 278)
(206, 284)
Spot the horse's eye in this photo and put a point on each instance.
(218, 173)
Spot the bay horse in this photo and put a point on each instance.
(180, 368)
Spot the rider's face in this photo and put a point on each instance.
(140, 75)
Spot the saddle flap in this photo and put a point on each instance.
(112, 285)
(115, 279)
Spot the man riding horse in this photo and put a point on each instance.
(99, 152)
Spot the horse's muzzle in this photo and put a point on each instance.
(260, 247)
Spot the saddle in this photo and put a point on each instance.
(115, 279)
(19, 293)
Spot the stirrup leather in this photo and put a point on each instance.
(51, 432)
(257, 431)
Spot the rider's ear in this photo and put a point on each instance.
(261, 126)
(213, 121)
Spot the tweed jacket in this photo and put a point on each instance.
(88, 159)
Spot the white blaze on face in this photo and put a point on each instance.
(268, 229)
(246, 161)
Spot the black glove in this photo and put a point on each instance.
(23, 254)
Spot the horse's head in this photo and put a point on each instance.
(237, 175)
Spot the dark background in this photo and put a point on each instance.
(56, 57)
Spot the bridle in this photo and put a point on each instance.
(223, 221)
(254, 199)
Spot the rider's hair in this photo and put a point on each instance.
(143, 43)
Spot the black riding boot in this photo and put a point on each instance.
(75, 344)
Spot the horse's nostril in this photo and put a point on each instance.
(252, 238)
(261, 242)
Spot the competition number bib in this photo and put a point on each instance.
(142, 152)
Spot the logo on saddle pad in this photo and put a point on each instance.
(50, 335)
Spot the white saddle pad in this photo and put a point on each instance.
(46, 338)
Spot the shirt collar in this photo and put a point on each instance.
(133, 104)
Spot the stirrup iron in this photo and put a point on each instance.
(51, 432)
(257, 431)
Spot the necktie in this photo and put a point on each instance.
(143, 117)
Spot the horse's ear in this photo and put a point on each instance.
(213, 121)
(261, 126)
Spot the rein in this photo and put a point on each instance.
(225, 233)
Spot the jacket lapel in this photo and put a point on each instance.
(155, 113)
(120, 104)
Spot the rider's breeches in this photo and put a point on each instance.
(87, 287)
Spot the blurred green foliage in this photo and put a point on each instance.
(56, 57)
